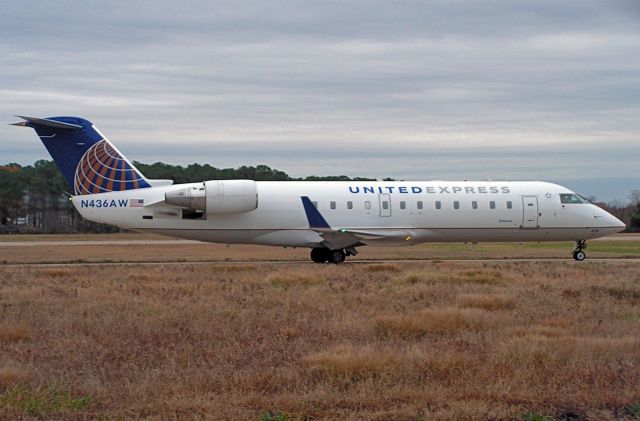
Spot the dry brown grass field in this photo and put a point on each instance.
(401, 341)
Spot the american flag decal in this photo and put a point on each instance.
(136, 203)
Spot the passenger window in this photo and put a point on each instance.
(492, 204)
(349, 204)
(385, 204)
(315, 204)
(332, 204)
(456, 204)
(438, 204)
(403, 204)
(419, 204)
(474, 204)
(367, 205)
(509, 205)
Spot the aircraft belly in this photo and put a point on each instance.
(508, 235)
(310, 238)
(290, 238)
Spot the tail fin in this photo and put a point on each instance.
(87, 160)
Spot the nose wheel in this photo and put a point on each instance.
(578, 252)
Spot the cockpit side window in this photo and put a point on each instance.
(566, 198)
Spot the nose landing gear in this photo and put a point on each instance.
(578, 252)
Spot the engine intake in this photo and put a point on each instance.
(217, 197)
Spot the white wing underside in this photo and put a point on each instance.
(337, 239)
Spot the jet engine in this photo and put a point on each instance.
(216, 197)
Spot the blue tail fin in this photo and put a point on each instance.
(315, 218)
(88, 161)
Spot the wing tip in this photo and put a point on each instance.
(20, 123)
(314, 217)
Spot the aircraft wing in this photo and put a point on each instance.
(345, 237)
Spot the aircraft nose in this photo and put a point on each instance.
(618, 223)
(613, 222)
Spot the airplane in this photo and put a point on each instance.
(332, 219)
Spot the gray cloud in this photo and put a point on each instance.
(441, 89)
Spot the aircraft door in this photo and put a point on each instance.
(385, 204)
(529, 212)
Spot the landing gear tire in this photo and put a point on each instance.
(320, 255)
(323, 255)
(579, 255)
(337, 256)
(578, 252)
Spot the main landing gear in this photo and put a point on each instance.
(578, 252)
(323, 255)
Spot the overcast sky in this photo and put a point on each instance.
(543, 90)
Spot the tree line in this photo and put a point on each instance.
(35, 199)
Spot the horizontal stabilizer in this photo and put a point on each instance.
(29, 121)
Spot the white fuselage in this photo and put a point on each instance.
(427, 211)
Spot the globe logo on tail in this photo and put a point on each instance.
(103, 169)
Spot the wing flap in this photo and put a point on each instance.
(381, 234)
(335, 239)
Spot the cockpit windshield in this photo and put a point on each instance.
(566, 198)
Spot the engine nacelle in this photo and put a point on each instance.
(217, 197)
